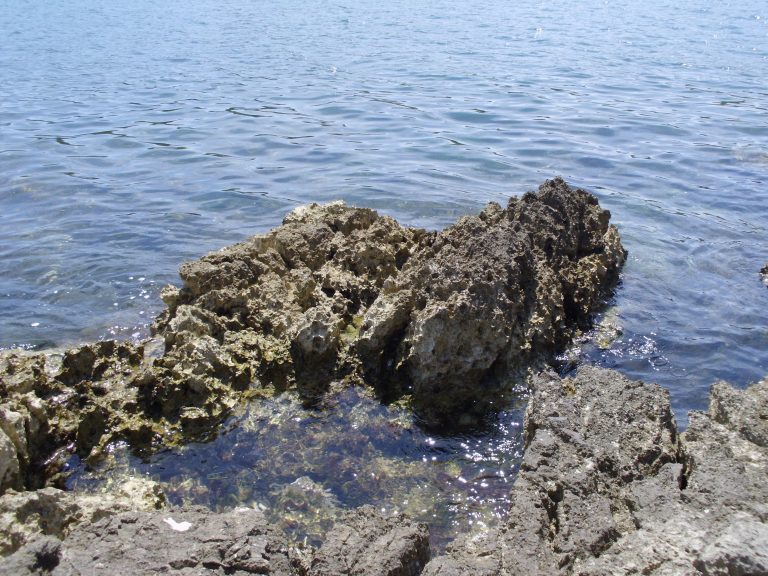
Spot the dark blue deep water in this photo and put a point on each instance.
(137, 135)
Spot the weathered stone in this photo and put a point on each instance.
(487, 298)
(343, 293)
(10, 470)
(740, 549)
(745, 412)
(607, 487)
(364, 543)
(335, 294)
(53, 512)
(182, 541)
(40, 556)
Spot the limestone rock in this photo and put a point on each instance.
(184, 542)
(10, 471)
(53, 512)
(489, 297)
(334, 295)
(364, 543)
(607, 487)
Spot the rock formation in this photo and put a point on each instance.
(607, 486)
(335, 294)
(52, 512)
(488, 297)
(340, 295)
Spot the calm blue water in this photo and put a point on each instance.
(136, 135)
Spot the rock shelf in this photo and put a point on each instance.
(607, 486)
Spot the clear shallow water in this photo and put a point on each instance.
(305, 467)
(136, 136)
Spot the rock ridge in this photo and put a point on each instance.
(334, 296)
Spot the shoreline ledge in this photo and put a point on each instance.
(606, 486)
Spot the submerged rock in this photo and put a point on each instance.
(304, 506)
(606, 486)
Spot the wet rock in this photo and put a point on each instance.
(343, 293)
(50, 409)
(53, 512)
(607, 487)
(278, 308)
(306, 507)
(764, 274)
(366, 543)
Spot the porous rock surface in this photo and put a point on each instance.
(196, 541)
(367, 544)
(334, 295)
(488, 297)
(53, 512)
(607, 486)
(343, 293)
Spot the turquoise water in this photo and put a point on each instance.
(135, 136)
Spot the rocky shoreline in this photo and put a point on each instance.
(607, 486)
(442, 322)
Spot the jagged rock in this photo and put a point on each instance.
(364, 543)
(280, 309)
(40, 556)
(343, 293)
(607, 487)
(335, 294)
(10, 471)
(53, 512)
(197, 541)
(49, 408)
(764, 274)
(488, 297)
